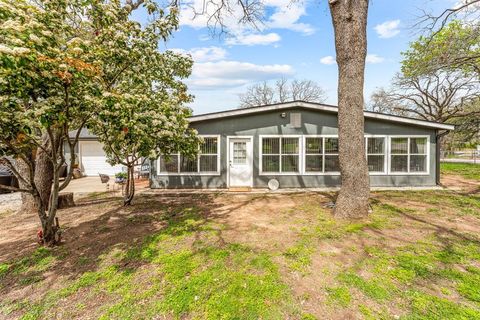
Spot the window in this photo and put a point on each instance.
(331, 155)
(321, 155)
(280, 154)
(205, 162)
(375, 154)
(169, 163)
(418, 155)
(408, 154)
(313, 154)
(240, 152)
(209, 155)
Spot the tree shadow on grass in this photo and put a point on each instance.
(126, 228)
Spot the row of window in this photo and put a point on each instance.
(282, 154)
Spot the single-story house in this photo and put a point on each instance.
(295, 143)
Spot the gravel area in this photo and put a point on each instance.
(10, 201)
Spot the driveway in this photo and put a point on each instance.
(93, 184)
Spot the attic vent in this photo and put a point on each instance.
(296, 120)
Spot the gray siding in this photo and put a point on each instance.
(313, 123)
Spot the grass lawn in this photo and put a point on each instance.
(248, 256)
(466, 170)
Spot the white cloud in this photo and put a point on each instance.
(279, 14)
(371, 58)
(254, 39)
(329, 60)
(222, 74)
(374, 58)
(286, 15)
(388, 29)
(204, 54)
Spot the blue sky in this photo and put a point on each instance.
(296, 42)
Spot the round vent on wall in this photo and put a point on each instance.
(273, 184)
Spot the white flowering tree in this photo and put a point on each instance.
(143, 113)
(64, 63)
(43, 80)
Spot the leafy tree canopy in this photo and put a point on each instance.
(454, 47)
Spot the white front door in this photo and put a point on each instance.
(240, 161)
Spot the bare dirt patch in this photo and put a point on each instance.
(456, 182)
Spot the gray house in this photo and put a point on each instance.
(296, 143)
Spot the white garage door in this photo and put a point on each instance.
(94, 160)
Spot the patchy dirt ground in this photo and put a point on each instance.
(312, 266)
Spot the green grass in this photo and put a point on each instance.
(188, 269)
(371, 288)
(208, 280)
(466, 170)
(29, 269)
(4, 267)
(425, 306)
(325, 227)
(339, 296)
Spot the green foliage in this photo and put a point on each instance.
(143, 110)
(454, 47)
(121, 175)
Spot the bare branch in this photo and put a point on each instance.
(282, 91)
(10, 188)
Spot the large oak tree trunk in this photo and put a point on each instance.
(350, 25)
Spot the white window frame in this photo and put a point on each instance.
(408, 173)
(198, 173)
(300, 153)
(304, 157)
(385, 155)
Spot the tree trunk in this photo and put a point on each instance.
(44, 173)
(65, 200)
(350, 25)
(43, 178)
(130, 187)
(28, 202)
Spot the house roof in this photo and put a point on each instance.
(319, 107)
(87, 135)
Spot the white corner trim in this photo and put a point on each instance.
(319, 107)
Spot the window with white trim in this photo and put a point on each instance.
(205, 162)
(280, 154)
(209, 155)
(375, 147)
(332, 163)
(313, 154)
(408, 154)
